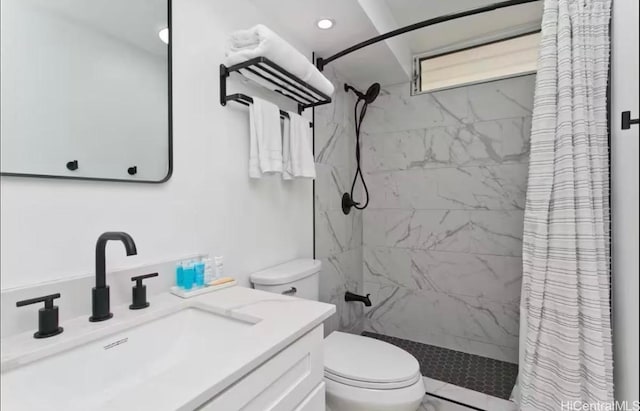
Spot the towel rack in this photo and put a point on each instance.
(285, 83)
(246, 100)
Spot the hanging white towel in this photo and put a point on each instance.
(287, 170)
(265, 148)
(298, 154)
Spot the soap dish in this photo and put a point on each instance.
(182, 293)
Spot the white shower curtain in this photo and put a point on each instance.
(565, 330)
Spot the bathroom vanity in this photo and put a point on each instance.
(232, 349)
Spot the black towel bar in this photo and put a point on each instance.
(283, 82)
(246, 100)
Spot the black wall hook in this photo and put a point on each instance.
(72, 165)
(627, 121)
(132, 170)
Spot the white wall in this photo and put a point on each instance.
(624, 191)
(49, 227)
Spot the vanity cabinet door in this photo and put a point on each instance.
(315, 401)
(282, 383)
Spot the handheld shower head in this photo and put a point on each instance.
(369, 96)
(372, 93)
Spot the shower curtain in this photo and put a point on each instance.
(565, 338)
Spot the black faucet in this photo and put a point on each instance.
(349, 296)
(100, 304)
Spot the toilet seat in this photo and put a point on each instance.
(365, 362)
(372, 385)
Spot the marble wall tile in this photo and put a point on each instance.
(445, 230)
(332, 143)
(442, 236)
(469, 144)
(336, 232)
(482, 143)
(494, 278)
(396, 110)
(395, 150)
(501, 187)
(501, 99)
(374, 226)
(339, 109)
(421, 315)
(488, 277)
(338, 237)
(340, 273)
(331, 182)
(516, 135)
(410, 189)
(497, 232)
(391, 266)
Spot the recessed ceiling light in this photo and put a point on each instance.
(324, 24)
(164, 35)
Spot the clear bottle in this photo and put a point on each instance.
(219, 266)
(209, 271)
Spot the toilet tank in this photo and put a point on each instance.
(298, 278)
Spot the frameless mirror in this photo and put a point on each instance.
(86, 89)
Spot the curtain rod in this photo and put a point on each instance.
(320, 62)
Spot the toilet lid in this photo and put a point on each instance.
(365, 359)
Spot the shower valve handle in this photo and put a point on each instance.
(347, 203)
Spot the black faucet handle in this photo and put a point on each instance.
(139, 278)
(139, 292)
(47, 316)
(47, 300)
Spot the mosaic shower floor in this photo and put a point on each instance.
(485, 375)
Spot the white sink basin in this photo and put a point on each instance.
(106, 371)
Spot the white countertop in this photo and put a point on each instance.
(279, 321)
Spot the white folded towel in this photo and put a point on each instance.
(265, 148)
(260, 41)
(297, 154)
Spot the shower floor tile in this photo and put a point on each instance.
(485, 375)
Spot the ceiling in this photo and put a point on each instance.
(385, 62)
(352, 25)
(499, 23)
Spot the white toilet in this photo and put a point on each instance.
(361, 373)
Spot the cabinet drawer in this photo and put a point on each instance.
(281, 383)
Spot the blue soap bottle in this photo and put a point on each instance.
(188, 278)
(179, 275)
